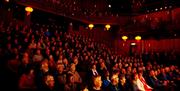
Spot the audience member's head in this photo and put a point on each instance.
(60, 68)
(49, 81)
(45, 66)
(122, 79)
(114, 79)
(97, 82)
(72, 67)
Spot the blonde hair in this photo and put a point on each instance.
(48, 79)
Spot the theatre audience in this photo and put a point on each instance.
(154, 82)
(63, 61)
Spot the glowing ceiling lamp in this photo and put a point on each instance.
(108, 27)
(7, 0)
(91, 26)
(28, 10)
(124, 38)
(138, 38)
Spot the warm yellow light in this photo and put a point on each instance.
(138, 37)
(91, 26)
(133, 44)
(29, 9)
(108, 26)
(124, 38)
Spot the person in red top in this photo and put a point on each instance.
(27, 80)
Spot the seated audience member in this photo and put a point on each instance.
(56, 56)
(52, 64)
(115, 67)
(24, 63)
(153, 81)
(70, 85)
(41, 73)
(96, 83)
(141, 78)
(137, 84)
(60, 60)
(76, 62)
(49, 84)
(66, 64)
(38, 56)
(60, 76)
(163, 75)
(114, 85)
(32, 45)
(14, 64)
(46, 53)
(27, 80)
(102, 69)
(44, 67)
(76, 76)
(93, 71)
(124, 86)
(106, 81)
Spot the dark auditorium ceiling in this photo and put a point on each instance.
(92, 10)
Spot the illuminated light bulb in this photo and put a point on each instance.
(29, 9)
(161, 8)
(124, 38)
(91, 26)
(138, 38)
(7, 0)
(108, 26)
(156, 9)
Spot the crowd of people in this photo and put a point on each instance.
(55, 60)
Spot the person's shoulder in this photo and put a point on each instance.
(108, 88)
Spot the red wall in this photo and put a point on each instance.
(148, 45)
(165, 16)
(97, 33)
(153, 45)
